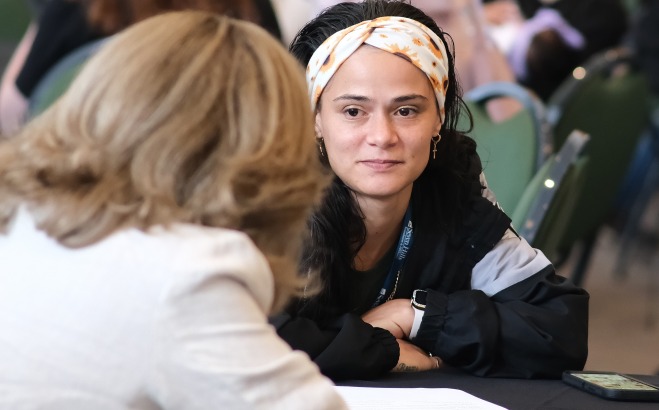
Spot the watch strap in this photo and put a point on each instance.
(418, 317)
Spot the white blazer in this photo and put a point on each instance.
(170, 319)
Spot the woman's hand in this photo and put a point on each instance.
(413, 359)
(396, 316)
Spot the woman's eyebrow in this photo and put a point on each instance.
(351, 97)
(405, 98)
(362, 98)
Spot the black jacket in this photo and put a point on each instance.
(535, 328)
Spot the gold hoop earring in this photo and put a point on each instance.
(435, 139)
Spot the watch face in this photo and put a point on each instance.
(419, 297)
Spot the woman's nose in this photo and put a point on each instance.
(382, 132)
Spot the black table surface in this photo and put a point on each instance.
(513, 394)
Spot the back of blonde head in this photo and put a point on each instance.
(185, 117)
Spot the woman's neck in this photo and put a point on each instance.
(383, 219)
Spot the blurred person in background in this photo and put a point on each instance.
(62, 26)
(292, 15)
(150, 220)
(645, 40)
(546, 39)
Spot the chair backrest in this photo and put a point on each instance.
(511, 150)
(551, 232)
(59, 77)
(544, 210)
(610, 102)
(14, 19)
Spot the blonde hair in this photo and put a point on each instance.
(185, 117)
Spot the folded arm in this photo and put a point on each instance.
(344, 348)
(519, 320)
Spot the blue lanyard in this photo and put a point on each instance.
(404, 245)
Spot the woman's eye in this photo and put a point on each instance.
(352, 112)
(405, 111)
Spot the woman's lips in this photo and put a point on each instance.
(380, 164)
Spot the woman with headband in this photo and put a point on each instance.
(418, 267)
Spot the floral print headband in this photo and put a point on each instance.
(401, 36)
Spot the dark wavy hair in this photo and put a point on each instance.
(337, 229)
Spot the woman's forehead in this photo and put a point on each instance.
(370, 67)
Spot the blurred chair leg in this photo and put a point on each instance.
(652, 296)
(648, 189)
(630, 230)
(584, 258)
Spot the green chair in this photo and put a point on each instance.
(544, 210)
(608, 99)
(59, 77)
(511, 150)
(14, 19)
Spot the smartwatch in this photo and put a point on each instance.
(419, 305)
(419, 299)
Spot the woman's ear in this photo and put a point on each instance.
(438, 122)
(318, 127)
(438, 127)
